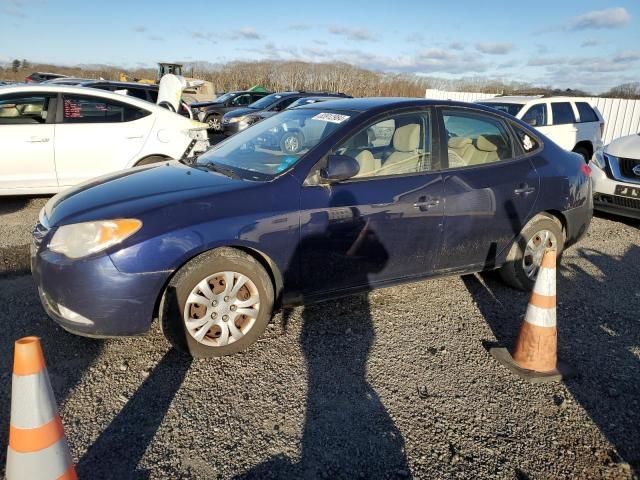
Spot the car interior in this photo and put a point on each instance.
(23, 111)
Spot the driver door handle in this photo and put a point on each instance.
(524, 189)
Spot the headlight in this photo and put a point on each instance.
(600, 158)
(237, 119)
(81, 239)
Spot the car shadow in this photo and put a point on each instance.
(598, 336)
(347, 433)
(67, 356)
(118, 450)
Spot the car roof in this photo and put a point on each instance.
(79, 90)
(115, 83)
(363, 104)
(510, 99)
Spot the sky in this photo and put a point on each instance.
(586, 44)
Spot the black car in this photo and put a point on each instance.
(143, 91)
(37, 77)
(211, 112)
(241, 118)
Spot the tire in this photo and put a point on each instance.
(214, 122)
(291, 142)
(175, 307)
(584, 152)
(514, 272)
(151, 159)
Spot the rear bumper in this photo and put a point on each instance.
(91, 297)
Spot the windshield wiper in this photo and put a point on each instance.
(220, 169)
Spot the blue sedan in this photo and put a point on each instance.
(380, 192)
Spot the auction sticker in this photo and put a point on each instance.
(331, 117)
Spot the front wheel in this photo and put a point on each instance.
(291, 142)
(219, 303)
(214, 123)
(523, 261)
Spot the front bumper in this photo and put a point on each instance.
(605, 198)
(91, 297)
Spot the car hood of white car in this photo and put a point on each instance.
(625, 147)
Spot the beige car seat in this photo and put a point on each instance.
(484, 152)
(407, 155)
(368, 163)
(460, 151)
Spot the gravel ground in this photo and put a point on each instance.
(396, 384)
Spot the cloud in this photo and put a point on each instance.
(627, 57)
(415, 37)
(357, 34)
(246, 33)
(299, 26)
(508, 64)
(544, 61)
(156, 38)
(205, 36)
(16, 8)
(591, 43)
(598, 19)
(140, 29)
(456, 46)
(541, 49)
(494, 48)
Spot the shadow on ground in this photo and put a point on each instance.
(599, 336)
(67, 356)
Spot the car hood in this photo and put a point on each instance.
(204, 104)
(240, 112)
(625, 147)
(130, 192)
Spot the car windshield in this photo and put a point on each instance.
(510, 108)
(224, 97)
(275, 144)
(265, 102)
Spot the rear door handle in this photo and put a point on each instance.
(38, 139)
(524, 190)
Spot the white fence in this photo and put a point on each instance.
(621, 116)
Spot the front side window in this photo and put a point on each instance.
(24, 110)
(76, 109)
(475, 139)
(275, 144)
(536, 116)
(586, 112)
(283, 104)
(242, 100)
(562, 113)
(399, 145)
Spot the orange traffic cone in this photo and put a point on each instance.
(535, 353)
(37, 445)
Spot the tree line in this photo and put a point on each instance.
(297, 75)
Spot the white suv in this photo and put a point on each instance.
(53, 137)
(570, 122)
(616, 177)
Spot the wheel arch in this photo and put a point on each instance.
(586, 144)
(265, 260)
(139, 160)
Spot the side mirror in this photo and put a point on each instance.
(339, 167)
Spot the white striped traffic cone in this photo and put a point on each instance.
(37, 449)
(535, 353)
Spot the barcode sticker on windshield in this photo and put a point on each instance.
(331, 117)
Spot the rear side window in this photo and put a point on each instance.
(586, 112)
(97, 110)
(527, 141)
(137, 93)
(536, 116)
(475, 139)
(562, 113)
(24, 110)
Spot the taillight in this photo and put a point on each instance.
(28, 79)
(601, 129)
(585, 169)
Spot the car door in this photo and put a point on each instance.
(490, 189)
(380, 226)
(27, 141)
(95, 136)
(564, 130)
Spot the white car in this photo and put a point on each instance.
(616, 177)
(53, 137)
(571, 122)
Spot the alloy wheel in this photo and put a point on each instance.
(534, 251)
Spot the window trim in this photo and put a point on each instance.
(597, 120)
(444, 143)
(60, 108)
(435, 145)
(544, 105)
